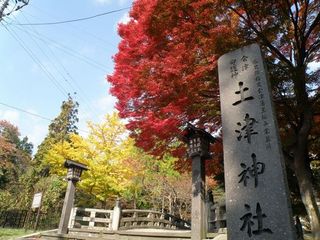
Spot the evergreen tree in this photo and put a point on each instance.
(59, 131)
(28, 177)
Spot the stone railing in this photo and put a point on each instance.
(135, 218)
(91, 218)
(117, 219)
(217, 220)
(122, 219)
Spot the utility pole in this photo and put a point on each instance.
(3, 7)
(18, 5)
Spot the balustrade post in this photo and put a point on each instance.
(210, 211)
(92, 218)
(73, 217)
(116, 216)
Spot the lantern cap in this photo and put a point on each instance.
(191, 131)
(72, 164)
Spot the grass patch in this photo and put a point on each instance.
(12, 233)
(307, 237)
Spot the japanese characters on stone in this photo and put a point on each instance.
(246, 131)
(264, 117)
(257, 197)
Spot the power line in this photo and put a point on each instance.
(53, 64)
(67, 50)
(33, 114)
(102, 40)
(72, 20)
(57, 60)
(22, 110)
(36, 60)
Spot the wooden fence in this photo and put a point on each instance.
(26, 219)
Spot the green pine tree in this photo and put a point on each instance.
(59, 130)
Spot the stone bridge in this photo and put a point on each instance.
(117, 224)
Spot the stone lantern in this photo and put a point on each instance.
(75, 170)
(198, 142)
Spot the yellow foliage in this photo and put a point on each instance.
(106, 151)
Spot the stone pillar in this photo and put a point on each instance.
(198, 225)
(67, 207)
(257, 195)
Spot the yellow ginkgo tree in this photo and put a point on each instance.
(106, 151)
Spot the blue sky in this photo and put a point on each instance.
(41, 64)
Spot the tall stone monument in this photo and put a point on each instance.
(257, 198)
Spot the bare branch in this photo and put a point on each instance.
(291, 13)
(315, 23)
(289, 111)
(305, 15)
(315, 99)
(263, 38)
(313, 48)
(297, 11)
(295, 24)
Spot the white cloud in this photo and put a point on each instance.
(36, 128)
(95, 112)
(123, 2)
(106, 104)
(31, 126)
(103, 2)
(107, 2)
(124, 19)
(88, 50)
(36, 133)
(12, 116)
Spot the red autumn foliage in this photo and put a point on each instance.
(166, 71)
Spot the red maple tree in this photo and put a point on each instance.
(160, 79)
(166, 71)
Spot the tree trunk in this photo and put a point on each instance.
(301, 153)
(308, 199)
(303, 173)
